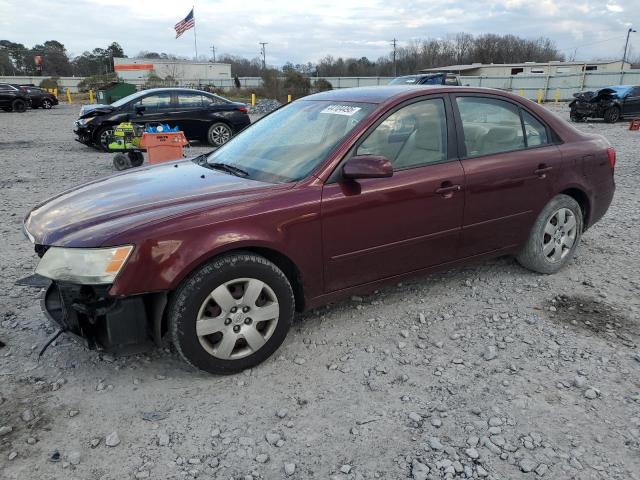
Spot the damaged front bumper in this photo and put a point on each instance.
(99, 321)
(84, 132)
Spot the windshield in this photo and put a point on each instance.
(289, 143)
(409, 80)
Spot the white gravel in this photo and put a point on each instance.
(487, 371)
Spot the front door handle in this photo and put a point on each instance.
(447, 189)
(542, 170)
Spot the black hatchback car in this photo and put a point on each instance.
(200, 115)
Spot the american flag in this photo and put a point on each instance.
(184, 25)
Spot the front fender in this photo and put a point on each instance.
(162, 259)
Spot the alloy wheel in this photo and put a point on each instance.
(237, 318)
(220, 135)
(559, 235)
(105, 136)
(46, 104)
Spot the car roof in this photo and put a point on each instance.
(172, 89)
(381, 94)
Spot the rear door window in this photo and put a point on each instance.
(189, 100)
(490, 125)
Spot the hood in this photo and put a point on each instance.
(88, 215)
(94, 109)
(618, 91)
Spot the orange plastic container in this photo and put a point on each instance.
(164, 147)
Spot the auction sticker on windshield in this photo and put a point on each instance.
(347, 110)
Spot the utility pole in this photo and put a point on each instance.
(263, 51)
(213, 51)
(395, 73)
(626, 45)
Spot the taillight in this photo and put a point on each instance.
(242, 109)
(611, 153)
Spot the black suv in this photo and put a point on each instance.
(12, 99)
(200, 115)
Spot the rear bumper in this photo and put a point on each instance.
(97, 320)
(602, 201)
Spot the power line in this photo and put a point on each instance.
(263, 50)
(575, 47)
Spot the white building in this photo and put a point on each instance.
(135, 70)
(532, 68)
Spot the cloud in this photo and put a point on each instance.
(306, 31)
(614, 7)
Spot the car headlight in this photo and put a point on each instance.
(86, 266)
(85, 121)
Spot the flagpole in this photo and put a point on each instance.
(195, 37)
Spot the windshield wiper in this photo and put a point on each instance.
(238, 172)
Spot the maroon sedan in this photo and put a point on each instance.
(331, 195)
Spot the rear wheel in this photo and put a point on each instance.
(231, 314)
(136, 158)
(219, 134)
(18, 106)
(554, 236)
(46, 104)
(612, 115)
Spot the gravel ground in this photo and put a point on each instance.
(487, 371)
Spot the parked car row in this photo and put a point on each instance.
(17, 98)
(332, 195)
(202, 116)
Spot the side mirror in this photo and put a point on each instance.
(367, 166)
(140, 109)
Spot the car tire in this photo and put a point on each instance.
(219, 133)
(576, 117)
(220, 297)
(612, 115)
(121, 162)
(554, 237)
(102, 135)
(46, 104)
(19, 106)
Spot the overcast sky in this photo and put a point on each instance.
(306, 30)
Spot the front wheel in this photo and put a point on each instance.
(232, 313)
(219, 134)
(576, 117)
(554, 236)
(103, 137)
